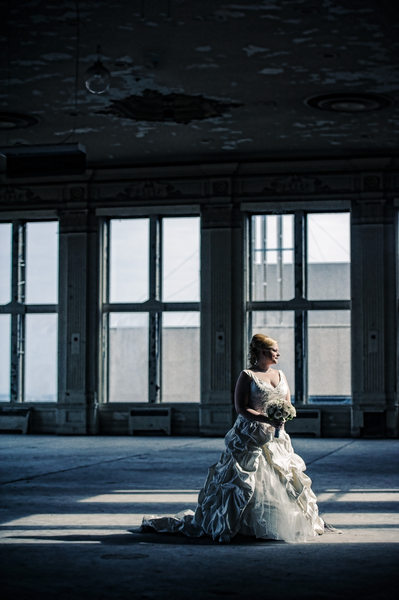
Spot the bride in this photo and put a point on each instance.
(258, 487)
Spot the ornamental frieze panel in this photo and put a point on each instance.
(220, 187)
(14, 196)
(75, 193)
(149, 190)
(295, 185)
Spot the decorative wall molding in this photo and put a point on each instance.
(324, 179)
(220, 187)
(77, 193)
(215, 419)
(71, 419)
(299, 185)
(149, 190)
(11, 196)
(372, 182)
(296, 184)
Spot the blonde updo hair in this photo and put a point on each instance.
(258, 344)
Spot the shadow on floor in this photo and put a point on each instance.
(139, 537)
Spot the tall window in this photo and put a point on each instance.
(299, 293)
(151, 310)
(28, 311)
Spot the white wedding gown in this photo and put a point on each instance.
(257, 488)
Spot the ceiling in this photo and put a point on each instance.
(202, 80)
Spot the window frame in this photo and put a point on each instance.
(17, 308)
(154, 306)
(299, 304)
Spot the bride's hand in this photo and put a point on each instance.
(272, 422)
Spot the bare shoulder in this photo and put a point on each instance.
(242, 391)
(245, 375)
(244, 378)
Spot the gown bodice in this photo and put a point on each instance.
(261, 392)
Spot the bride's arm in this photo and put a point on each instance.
(241, 398)
(288, 395)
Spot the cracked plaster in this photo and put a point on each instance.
(291, 68)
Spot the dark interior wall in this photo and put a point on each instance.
(222, 195)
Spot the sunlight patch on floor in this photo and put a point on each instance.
(359, 495)
(364, 519)
(78, 520)
(378, 526)
(146, 496)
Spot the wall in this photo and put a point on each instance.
(222, 194)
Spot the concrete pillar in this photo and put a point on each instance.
(72, 406)
(221, 315)
(93, 324)
(374, 319)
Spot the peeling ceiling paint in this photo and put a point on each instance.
(151, 105)
(264, 58)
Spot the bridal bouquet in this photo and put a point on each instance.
(280, 411)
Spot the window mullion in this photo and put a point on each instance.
(300, 314)
(280, 245)
(104, 322)
(155, 258)
(154, 345)
(249, 279)
(154, 379)
(105, 254)
(250, 244)
(299, 256)
(17, 317)
(301, 317)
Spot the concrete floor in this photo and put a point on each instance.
(67, 504)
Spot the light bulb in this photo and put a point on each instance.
(98, 78)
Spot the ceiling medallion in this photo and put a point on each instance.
(349, 103)
(151, 105)
(9, 120)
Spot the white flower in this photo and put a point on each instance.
(280, 410)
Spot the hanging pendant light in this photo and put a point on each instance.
(98, 78)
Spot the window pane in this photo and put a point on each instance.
(329, 352)
(181, 357)
(181, 261)
(129, 260)
(128, 357)
(328, 244)
(41, 358)
(272, 257)
(279, 325)
(5, 324)
(5, 262)
(42, 263)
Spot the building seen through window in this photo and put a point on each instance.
(300, 295)
(151, 319)
(29, 305)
